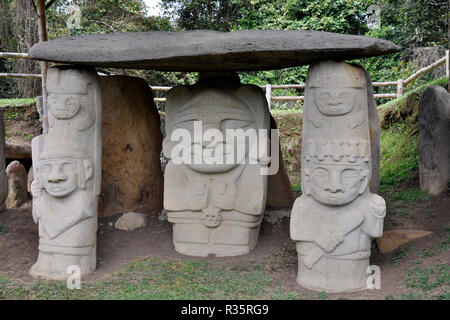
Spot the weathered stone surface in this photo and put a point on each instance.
(203, 50)
(216, 208)
(132, 180)
(67, 171)
(130, 221)
(434, 140)
(18, 151)
(336, 217)
(391, 240)
(17, 185)
(374, 133)
(279, 188)
(30, 179)
(3, 177)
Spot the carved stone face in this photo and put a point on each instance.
(59, 177)
(335, 101)
(64, 105)
(335, 184)
(217, 119)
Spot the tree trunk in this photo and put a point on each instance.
(44, 65)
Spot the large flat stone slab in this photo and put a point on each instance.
(203, 50)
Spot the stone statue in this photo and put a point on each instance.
(3, 176)
(67, 164)
(335, 219)
(216, 207)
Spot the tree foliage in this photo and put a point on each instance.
(103, 16)
(341, 16)
(18, 32)
(415, 23)
(221, 15)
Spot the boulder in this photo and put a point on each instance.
(3, 177)
(17, 185)
(434, 140)
(132, 180)
(130, 221)
(203, 50)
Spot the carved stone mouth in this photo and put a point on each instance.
(211, 223)
(211, 217)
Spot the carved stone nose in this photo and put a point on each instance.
(57, 179)
(334, 184)
(57, 176)
(334, 189)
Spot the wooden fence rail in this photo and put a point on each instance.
(399, 84)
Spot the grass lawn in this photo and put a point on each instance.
(17, 102)
(156, 278)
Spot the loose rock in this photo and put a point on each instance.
(130, 221)
(17, 185)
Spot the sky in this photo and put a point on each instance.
(153, 7)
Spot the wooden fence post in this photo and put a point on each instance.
(447, 67)
(399, 87)
(269, 95)
(42, 27)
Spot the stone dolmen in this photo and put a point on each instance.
(217, 207)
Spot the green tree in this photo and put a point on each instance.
(221, 15)
(103, 16)
(415, 23)
(341, 16)
(18, 32)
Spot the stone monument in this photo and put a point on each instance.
(67, 165)
(132, 180)
(335, 219)
(216, 208)
(434, 140)
(3, 176)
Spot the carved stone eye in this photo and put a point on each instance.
(345, 95)
(69, 166)
(350, 173)
(320, 172)
(71, 101)
(54, 100)
(325, 96)
(46, 167)
(234, 124)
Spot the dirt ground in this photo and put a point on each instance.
(19, 243)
